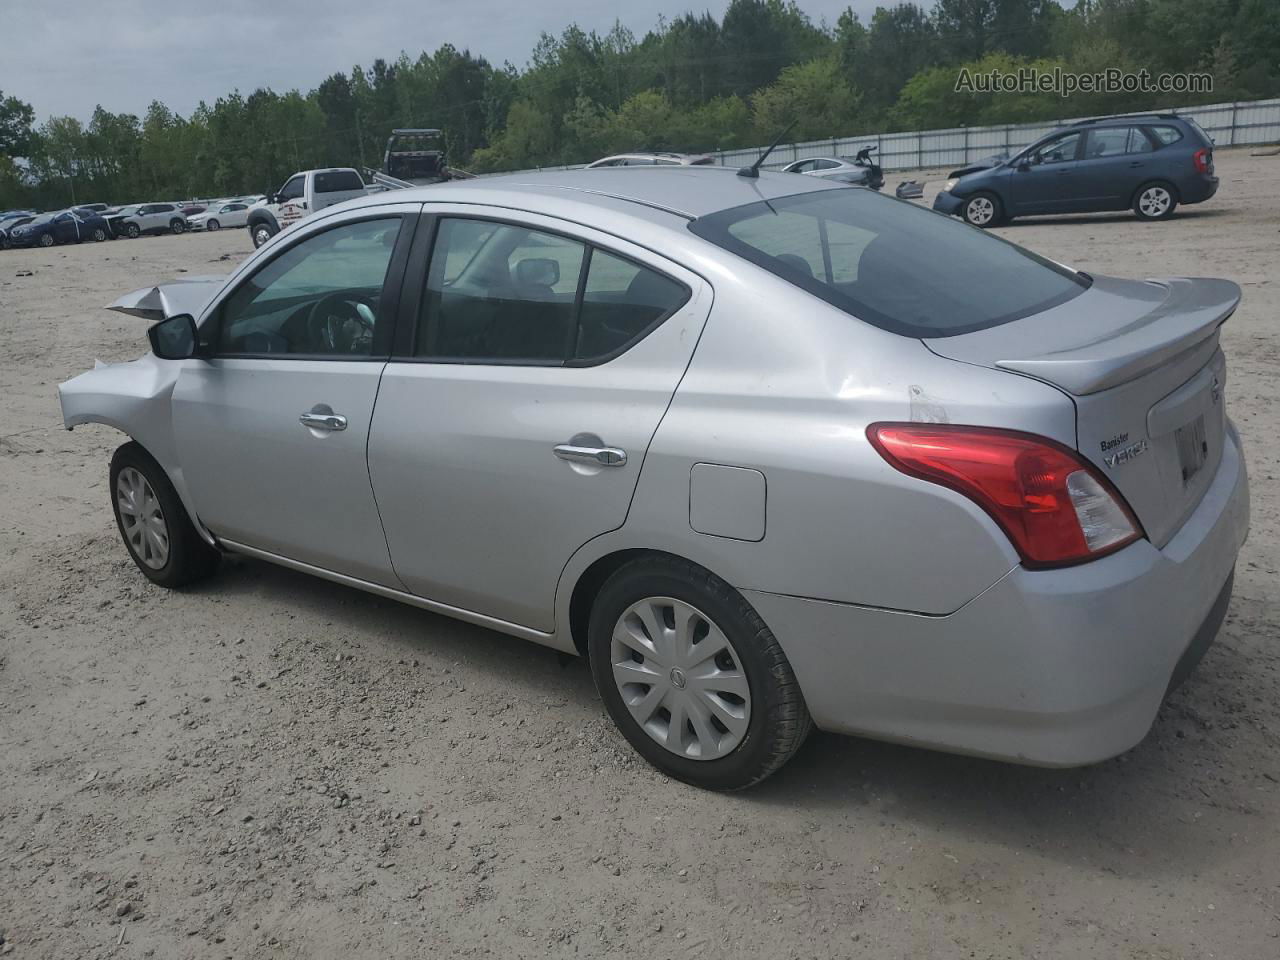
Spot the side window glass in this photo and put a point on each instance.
(621, 302)
(1138, 141)
(1110, 142)
(320, 297)
(1062, 150)
(499, 292)
(1167, 135)
(293, 189)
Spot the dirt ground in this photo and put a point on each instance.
(274, 766)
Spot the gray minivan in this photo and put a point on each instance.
(1147, 163)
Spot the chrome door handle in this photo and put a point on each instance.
(323, 421)
(600, 456)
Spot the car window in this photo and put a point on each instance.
(336, 181)
(621, 302)
(802, 166)
(320, 297)
(1061, 150)
(1109, 142)
(293, 188)
(825, 164)
(1166, 135)
(163, 208)
(865, 254)
(1139, 142)
(606, 163)
(499, 292)
(510, 294)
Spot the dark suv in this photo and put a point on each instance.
(1149, 163)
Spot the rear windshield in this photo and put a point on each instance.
(891, 263)
(337, 181)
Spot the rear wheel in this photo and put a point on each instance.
(1155, 201)
(156, 530)
(99, 234)
(46, 240)
(213, 225)
(178, 226)
(983, 210)
(692, 676)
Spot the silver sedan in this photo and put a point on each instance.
(771, 453)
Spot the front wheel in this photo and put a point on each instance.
(692, 676)
(213, 225)
(1154, 201)
(982, 210)
(99, 235)
(132, 231)
(154, 525)
(178, 226)
(46, 240)
(261, 233)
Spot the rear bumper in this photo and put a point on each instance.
(1054, 668)
(1198, 190)
(948, 203)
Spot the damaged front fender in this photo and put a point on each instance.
(134, 398)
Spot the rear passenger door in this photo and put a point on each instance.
(534, 361)
(1114, 164)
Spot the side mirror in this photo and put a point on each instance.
(1024, 165)
(174, 338)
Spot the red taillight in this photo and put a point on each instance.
(1054, 507)
(1203, 159)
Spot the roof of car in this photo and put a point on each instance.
(685, 191)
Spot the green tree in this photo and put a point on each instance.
(815, 95)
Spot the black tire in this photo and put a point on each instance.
(190, 558)
(983, 209)
(99, 235)
(213, 225)
(260, 233)
(46, 240)
(132, 231)
(177, 226)
(1155, 200)
(779, 721)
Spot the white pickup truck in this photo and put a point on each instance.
(302, 194)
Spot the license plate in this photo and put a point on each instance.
(1193, 448)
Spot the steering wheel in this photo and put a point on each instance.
(336, 324)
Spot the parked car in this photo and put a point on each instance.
(66, 226)
(653, 160)
(992, 506)
(1149, 164)
(9, 223)
(844, 169)
(150, 218)
(189, 210)
(234, 214)
(302, 195)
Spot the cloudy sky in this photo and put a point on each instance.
(65, 56)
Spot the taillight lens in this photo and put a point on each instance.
(1203, 159)
(1055, 508)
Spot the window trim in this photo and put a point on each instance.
(389, 300)
(414, 298)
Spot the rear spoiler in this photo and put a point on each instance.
(1191, 312)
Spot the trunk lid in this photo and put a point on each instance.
(1142, 364)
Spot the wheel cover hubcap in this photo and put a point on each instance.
(980, 210)
(145, 529)
(680, 678)
(1154, 201)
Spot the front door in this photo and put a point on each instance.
(271, 432)
(1046, 181)
(512, 424)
